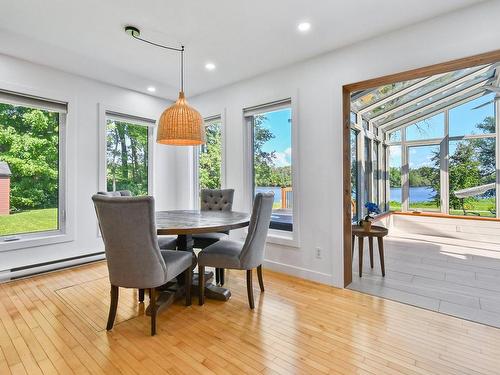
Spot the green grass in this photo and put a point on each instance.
(481, 207)
(28, 221)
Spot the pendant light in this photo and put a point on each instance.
(180, 124)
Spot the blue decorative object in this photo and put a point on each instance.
(373, 209)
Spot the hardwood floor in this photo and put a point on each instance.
(54, 323)
(455, 277)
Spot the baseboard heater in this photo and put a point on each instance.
(35, 269)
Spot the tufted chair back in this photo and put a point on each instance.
(130, 242)
(217, 199)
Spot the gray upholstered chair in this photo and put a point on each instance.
(214, 200)
(241, 255)
(164, 242)
(133, 257)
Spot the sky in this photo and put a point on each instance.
(279, 124)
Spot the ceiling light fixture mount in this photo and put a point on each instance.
(180, 124)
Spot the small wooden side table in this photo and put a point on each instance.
(375, 231)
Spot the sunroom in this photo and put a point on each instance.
(426, 152)
(428, 145)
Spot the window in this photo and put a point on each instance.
(210, 156)
(376, 173)
(368, 183)
(395, 178)
(473, 117)
(127, 153)
(354, 175)
(429, 128)
(395, 136)
(424, 178)
(271, 147)
(32, 201)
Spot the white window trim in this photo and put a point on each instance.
(148, 120)
(67, 168)
(279, 237)
(196, 160)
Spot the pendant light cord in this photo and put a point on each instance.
(182, 69)
(181, 50)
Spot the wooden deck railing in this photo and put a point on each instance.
(286, 197)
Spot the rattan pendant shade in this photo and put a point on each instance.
(181, 125)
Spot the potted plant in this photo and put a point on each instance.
(372, 209)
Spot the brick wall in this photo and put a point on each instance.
(4, 195)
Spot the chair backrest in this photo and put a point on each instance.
(252, 254)
(118, 193)
(129, 233)
(216, 199)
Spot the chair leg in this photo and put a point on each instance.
(261, 280)
(189, 282)
(370, 243)
(201, 285)
(152, 303)
(141, 295)
(221, 276)
(112, 308)
(217, 276)
(250, 289)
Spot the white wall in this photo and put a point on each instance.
(83, 153)
(319, 82)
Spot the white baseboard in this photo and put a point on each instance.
(9, 275)
(303, 273)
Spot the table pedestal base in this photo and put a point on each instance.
(173, 290)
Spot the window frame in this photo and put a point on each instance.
(196, 159)
(134, 118)
(66, 171)
(276, 236)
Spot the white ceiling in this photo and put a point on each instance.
(243, 38)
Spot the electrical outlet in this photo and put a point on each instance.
(319, 255)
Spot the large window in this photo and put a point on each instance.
(271, 144)
(395, 194)
(472, 161)
(31, 166)
(354, 175)
(424, 178)
(210, 156)
(127, 153)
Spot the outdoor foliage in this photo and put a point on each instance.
(211, 157)
(127, 157)
(266, 171)
(29, 140)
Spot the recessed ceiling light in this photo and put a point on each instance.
(304, 26)
(151, 89)
(209, 66)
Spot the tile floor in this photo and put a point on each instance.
(455, 277)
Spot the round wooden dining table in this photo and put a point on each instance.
(185, 223)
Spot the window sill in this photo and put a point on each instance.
(42, 240)
(280, 237)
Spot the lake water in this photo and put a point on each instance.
(417, 194)
(266, 189)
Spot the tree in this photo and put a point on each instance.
(127, 157)
(29, 143)
(210, 158)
